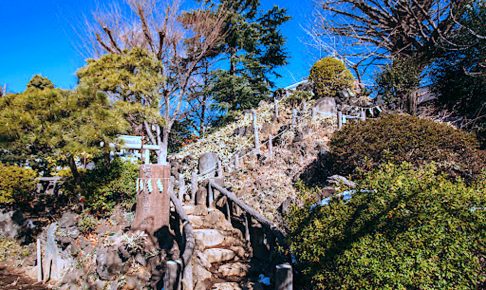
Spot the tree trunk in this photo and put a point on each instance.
(74, 169)
(164, 146)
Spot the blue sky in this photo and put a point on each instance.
(38, 37)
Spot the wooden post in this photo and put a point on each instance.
(284, 277)
(146, 156)
(210, 195)
(39, 261)
(294, 117)
(247, 227)
(182, 187)
(228, 211)
(314, 114)
(340, 119)
(304, 107)
(237, 160)
(255, 130)
(220, 168)
(275, 107)
(193, 186)
(362, 115)
(171, 279)
(270, 146)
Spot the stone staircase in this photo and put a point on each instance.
(222, 255)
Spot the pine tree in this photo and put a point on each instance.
(254, 49)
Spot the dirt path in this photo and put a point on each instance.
(13, 279)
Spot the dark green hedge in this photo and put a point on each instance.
(404, 138)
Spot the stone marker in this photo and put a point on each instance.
(208, 164)
(326, 106)
(153, 200)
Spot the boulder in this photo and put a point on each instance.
(226, 286)
(237, 269)
(202, 276)
(56, 261)
(326, 106)
(9, 228)
(207, 162)
(108, 263)
(217, 255)
(208, 238)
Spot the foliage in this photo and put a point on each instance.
(133, 78)
(108, 185)
(459, 77)
(87, 223)
(403, 229)
(16, 183)
(298, 97)
(53, 126)
(10, 248)
(253, 48)
(397, 82)
(400, 138)
(329, 76)
(39, 82)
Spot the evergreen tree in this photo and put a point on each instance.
(45, 126)
(254, 48)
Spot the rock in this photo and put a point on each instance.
(108, 263)
(208, 162)
(56, 261)
(208, 238)
(266, 128)
(217, 255)
(284, 207)
(196, 221)
(338, 180)
(237, 269)
(326, 107)
(9, 228)
(226, 286)
(67, 220)
(203, 277)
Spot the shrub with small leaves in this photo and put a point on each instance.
(399, 138)
(329, 76)
(402, 229)
(87, 223)
(298, 97)
(16, 184)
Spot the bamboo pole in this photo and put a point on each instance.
(255, 132)
(294, 117)
(275, 108)
(39, 261)
(193, 186)
(270, 146)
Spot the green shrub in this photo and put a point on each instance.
(87, 223)
(106, 186)
(329, 76)
(397, 82)
(403, 229)
(399, 138)
(16, 184)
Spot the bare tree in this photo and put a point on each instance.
(365, 33)
(180, 41)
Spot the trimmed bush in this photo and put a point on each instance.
(399, 138)
(16, 184)
(403, 229)
(329, 76)
(109, 185)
